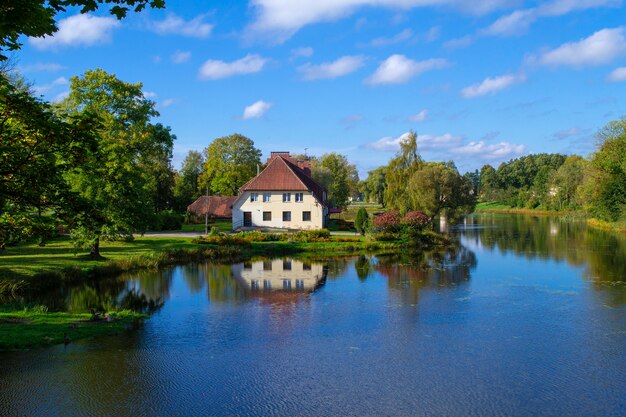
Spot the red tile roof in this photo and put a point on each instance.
(283, 175)
(216, 205)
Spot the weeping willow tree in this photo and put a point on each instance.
(406, 162)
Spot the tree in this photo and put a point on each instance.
(114, 187)
(186, 187)
(398, 172)
(36, 17)
(437, 188)
(339, 177)
(565, 181)
(36, 148)
(374, 186)
(361, 223)
(230, 162)
(605, 185)
(488, 183)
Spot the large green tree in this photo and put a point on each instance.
(374, 185)
(36, 18)
(36, 148)
(605, 185)
(186, 188)
(115, 185)
(438, 188)
(230, 162)
(406, 162)
(338, 176)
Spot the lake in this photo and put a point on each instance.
(526, 316)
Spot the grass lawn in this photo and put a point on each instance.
(27, 260)
(26, 328)
(222, 226)
(492, 205)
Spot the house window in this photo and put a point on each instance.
(254, 284)
(267, 265)
(286, 197)
(299, 197)
(267, 197)
(286, 284)
(286, 216)
(286, 265)
(267, 216)
(306, 216)
(267, 284)
(306, 267)
(299, 284)
(254, 197)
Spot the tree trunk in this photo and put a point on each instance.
(94, 253)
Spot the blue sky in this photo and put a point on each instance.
(480, 81)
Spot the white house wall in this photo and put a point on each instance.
(276, 206)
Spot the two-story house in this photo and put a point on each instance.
(282, 196)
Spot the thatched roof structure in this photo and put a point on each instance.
(215, 205)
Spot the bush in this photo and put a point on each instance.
(384, 237)
(169, 220)
(388, 222)
(361, 222)
(416, 220)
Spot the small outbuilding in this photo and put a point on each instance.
(217, 206)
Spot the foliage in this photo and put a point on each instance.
(388, 222)
(438, 187)
(605, 186)
(373, 188)
(230, 162)
(416, 220)
(337, 175)
(37, 148)
(168, 220)
(115, 183)
(186, 187)
(361, 223)
(35, 18)
(406, 162)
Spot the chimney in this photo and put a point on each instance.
(275, 155)
(305, 166)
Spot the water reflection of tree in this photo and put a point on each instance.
(221, 286)
(602, 253)
(411, 272)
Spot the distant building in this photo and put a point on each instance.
(218, 207)
(282, 196)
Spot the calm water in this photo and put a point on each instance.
(527, 317)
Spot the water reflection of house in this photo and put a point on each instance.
(280, 275)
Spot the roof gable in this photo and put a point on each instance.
(282, 175)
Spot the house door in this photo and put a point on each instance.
(247, 218)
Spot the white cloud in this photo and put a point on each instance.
(515, 23)
(81, 29)
(419, 117)
(256, 110)
(180, 57)
(45, 88)
(215, 69)
(571, 132)
(600, 48)
(405, 35)
(176, 25)
(518, 22)
(450, 146)
(618, 74)
(149, 94)
(167, 102)
(340, 67)
(496, 151)
(492, 85)
(457, 43)
(398, 69)
(280, 19)
(61, 96)
(40, 67)
(305, 51)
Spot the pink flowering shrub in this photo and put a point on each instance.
(415, 219)
(387, 222)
